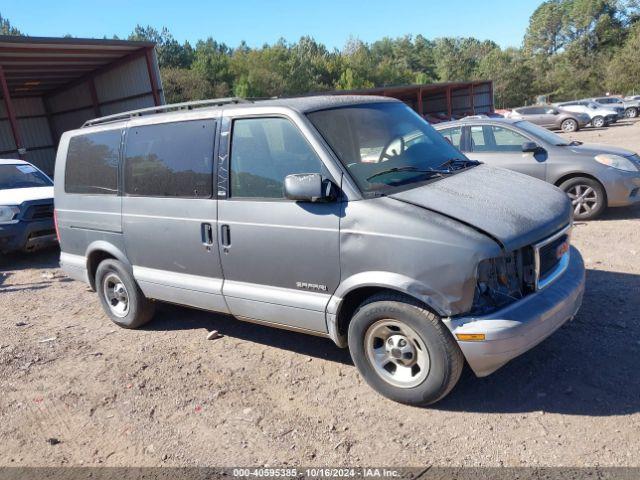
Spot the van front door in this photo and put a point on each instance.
(280, 258)
(169, 212)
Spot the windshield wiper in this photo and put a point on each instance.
(460, 163)
(435, 172)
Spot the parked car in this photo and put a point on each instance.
(629, 109)
(593, 176)
(600, 115)
(551, 117)
(26, 207)
(273, 212)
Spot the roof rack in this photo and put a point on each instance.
(216, 102)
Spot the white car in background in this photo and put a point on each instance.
(600, 115)
(627, 108)
(26, 207)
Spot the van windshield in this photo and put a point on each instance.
(386, 145)
(22, 176)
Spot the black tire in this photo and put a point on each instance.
(588, 210)
(570, 125)
(445, 360)
(631, 112)
(598, 122)
(139, 310)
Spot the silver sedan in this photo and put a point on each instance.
(593, 176)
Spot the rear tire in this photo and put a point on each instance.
(569, 125)
(588, 197)
(404, 351)
(631, 112)
(598, 122)
(120, 295)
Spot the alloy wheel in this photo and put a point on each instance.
(569, 126)
(584, 199)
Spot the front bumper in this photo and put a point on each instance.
(523, 324)
(27, 235)
(622, 189)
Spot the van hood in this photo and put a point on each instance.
(514, 209)
(16, 196)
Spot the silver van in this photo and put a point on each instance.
(344, 217)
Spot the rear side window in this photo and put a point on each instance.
(92, 163)
(170, 160)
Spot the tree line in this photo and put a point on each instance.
(571, 49)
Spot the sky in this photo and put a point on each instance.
(331, 22)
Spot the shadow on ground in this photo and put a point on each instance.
(172, 317)
(588, 367)
(47, 258)
(620, 213)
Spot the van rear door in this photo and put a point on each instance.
(169, 211)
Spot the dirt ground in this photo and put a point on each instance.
(76, 390)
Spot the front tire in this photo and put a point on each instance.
(587, 196)
(598, 122)
(631, 112)
(404, 351)
(569, 125)
(120, 295)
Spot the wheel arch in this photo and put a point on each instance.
(352, 293)
(569, 176)
(97, 252)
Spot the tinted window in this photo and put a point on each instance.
(453, 135)
(263, 152)
(92, 163)
(170, 159)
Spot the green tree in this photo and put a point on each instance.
(457, 59)
(511, 75)
(7, 29)
(170, 53)
(623, 73)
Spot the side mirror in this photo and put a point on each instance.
(531, 147)
(309, 187)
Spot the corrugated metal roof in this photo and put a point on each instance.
(39, 65)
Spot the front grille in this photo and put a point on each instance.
(39, 212)
(549, 257)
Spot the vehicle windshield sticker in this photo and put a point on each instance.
(26, 168)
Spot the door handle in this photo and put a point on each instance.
(225, 233)
(207, 234)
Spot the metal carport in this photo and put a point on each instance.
(50, 85)
(438, 101)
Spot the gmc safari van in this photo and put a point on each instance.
(345, 217)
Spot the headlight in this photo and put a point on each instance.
(8, 214)
(616, 161)
(503, 280)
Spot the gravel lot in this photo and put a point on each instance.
(166, 395)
